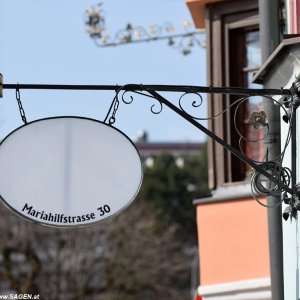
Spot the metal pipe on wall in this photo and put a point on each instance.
(270, 38)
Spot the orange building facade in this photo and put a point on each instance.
(232, 226)
(233, 241)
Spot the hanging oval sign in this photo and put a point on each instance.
(68, 171)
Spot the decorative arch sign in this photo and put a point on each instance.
(68, 171)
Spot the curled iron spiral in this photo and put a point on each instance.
(195, 103)
(124, 99)
(128, 99)
(153, 108)
(160, 108)
(260, 185)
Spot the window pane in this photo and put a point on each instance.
(254, 150)
(253, 55)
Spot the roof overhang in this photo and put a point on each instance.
(197, 9)
(271, 62)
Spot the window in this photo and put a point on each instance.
(233, 53)
(245, 59)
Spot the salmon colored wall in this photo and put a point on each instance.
(294, 23)
(233, 241)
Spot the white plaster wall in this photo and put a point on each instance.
(282, 74)
(290, 228)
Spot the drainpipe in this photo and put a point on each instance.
(270, 35)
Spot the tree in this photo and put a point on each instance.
(55, 263)
(171, 189)
(149, 248)
(128, 257)
(143, 260)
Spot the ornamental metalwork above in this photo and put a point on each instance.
(269, 176)
(94, 19)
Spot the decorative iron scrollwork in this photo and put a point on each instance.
(94, 19)
(153, 108)
(269, 176)
(195, 104)
(258, 119)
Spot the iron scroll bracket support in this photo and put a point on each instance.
(209, 133)
(153, 92)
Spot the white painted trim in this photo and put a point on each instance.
(253, 289)
(228, 192)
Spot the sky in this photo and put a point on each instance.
(45, 42)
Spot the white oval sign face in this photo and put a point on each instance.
(68, 171)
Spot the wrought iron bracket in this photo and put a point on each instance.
(278, 178)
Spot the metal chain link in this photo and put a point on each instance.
(21, 109)
(112, 119)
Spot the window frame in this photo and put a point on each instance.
(221, 20)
